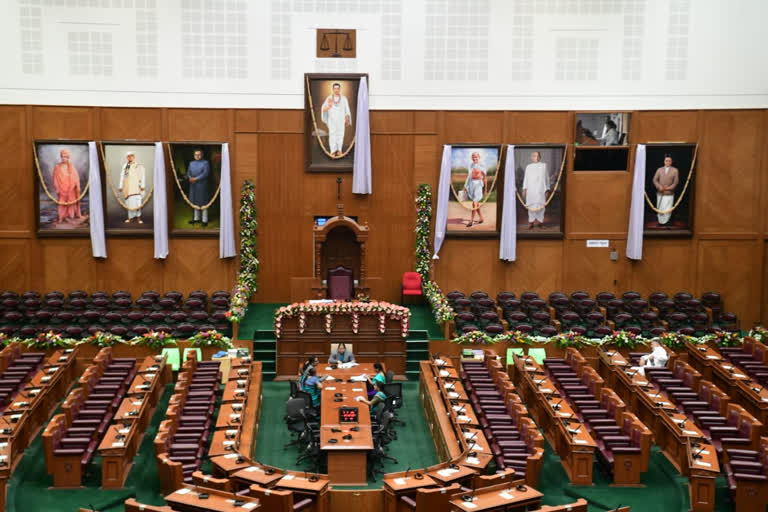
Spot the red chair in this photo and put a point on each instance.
(411, 285)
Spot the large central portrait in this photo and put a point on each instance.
(474, 204)
(330, 111)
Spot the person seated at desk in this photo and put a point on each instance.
(378, 398)
(312, 362)
(313, 386)
(656, 359)
(341, 355)
(379, 377)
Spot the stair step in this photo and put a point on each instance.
(418, 335)
(268, 375)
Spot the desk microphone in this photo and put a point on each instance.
(697, 455)
(472, 437)
(616, 509)
(406, 472)
(758, 390)
(459, 411)
(92, 507)
(682, 423)
(6, 430)
(557, 405)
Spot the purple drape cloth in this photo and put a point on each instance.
(159, 204)
(443, 189)
(361, 170)
(227, 223)
(96, 207)
(637, 207)
(508, 242)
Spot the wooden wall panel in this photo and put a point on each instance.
(204, 125)
(664, 126)
(132, 123)
(391, 121)
(597, 203)
(469, 264)
(15, 264)
(591, 269)
(729, 267)
(17, 170)
(538, 267)
(533, 127)
(62, 123)
(475, 127)
(728, 186)
(672, 259)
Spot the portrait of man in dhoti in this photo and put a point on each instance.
(539, 180)
(669, 173)
(130, 170)
(330, 121)
(473, 202)
(63, 200)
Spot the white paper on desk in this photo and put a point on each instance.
(453, 394)
(564, 414)
(118, 444)
(691, 432)
(358, 378)
(358, 398)
(531, 368)
(468, 504)
(232, 432)
(463, 418)
(231, 456)
(250, 505)
(149, 376)
(703, 452)
(234, 416)
(399, 481)
(240, 390)
(350, 364)
(739, 375)
(184, 491)
(328, 368)
(764, 399)
(439, 362)
(329, 388)
(253, 469)
(713, 357)
(467, 435)
(473, 460)
(545, 390)
(450, 385)
(620, 363)
(289, 477)
(228, 443)
(702, 463)
(580, 441)
(136, 402)
(506, 495)
(45, 379)
(359, 390)
(16, 416)
(241, 382)
(444, 373)
(3, 445)
(458, 407)
(726, 366)
(34, 392)
(124, 430)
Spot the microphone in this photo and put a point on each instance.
(92, 507)
(616, 509)
(406, 472)
(758, 390)
(557, 405)
(7, 430)
(458, 412)
(682, 423)
(697, 455)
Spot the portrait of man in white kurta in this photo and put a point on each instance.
(129, 170)
(133, 178)
(535, 189)
(337, 117)
(539, 179)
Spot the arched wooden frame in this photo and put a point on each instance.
(321, 235)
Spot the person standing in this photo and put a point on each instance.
(337, 116)
(132, 184)
(476, 186)
(665, 180)
(66, 183)
(199, 172)
(535, 188)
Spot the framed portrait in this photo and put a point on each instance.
(540, 190)
(669, 189)
(330, 111)
(129, 172)
(601, 141)
(474, 204)
(62, 194)
(196, 175)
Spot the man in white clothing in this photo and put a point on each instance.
(535, 188)
(656, 359)
(337, 116)
(132, 178)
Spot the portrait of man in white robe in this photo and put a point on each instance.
(132, 185)
(337, 116)
(539, 180)
(535, 189)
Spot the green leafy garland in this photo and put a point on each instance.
(249, 263)
(439, 303)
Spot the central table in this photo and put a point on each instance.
(347, 458)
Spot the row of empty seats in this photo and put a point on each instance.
(81, 315)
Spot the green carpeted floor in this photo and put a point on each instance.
(423, 319)
(29, 487)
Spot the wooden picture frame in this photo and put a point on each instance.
(602, 141)
(548, 223)
(117, 220)
(72, 219)
(329, 141)
(461, 207)
(180, 195)
(679, 224)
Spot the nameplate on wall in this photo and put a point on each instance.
(597, 243)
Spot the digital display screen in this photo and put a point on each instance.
(348, 415)
(320, 220)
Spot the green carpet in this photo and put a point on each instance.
(413, 446)
(29, 487)
(423, 320)
(259, 316)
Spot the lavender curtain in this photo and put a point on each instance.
(508, 245)
(159, 205)
(361, 170)
(227, 223)
(96, 206)
(637, 207)
(443, 189)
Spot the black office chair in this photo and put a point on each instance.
(312, 449)
(294, 388)
(395, 390)
(390, 376)
(295, 418)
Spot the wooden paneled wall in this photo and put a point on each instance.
(727, 252)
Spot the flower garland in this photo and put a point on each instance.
(355, 309)
(246, 284)
(674, 340)
(440, 308)
(102, 339)
(759, 332)
(154, 339)
(423, 221)
(211, 338)
(622, 339)
(47, 340)
(723, 338)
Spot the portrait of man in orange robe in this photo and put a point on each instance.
(66, 183)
